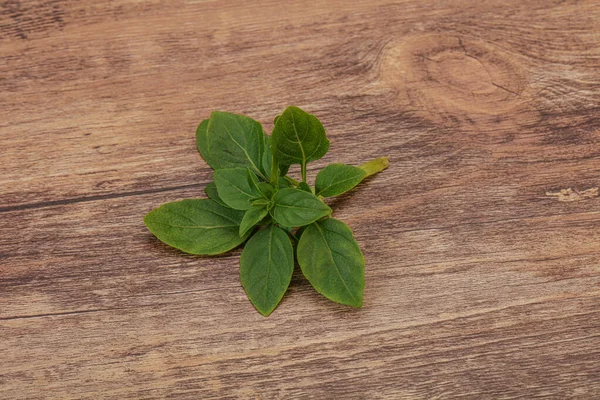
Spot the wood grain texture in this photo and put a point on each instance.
(481, 239)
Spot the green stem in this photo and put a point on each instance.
(274, 172)
(374, 166)
(304, 172)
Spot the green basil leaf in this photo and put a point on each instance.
(236, 187)
(298, 138)
(230, 141)
(266, 267)
(375, 166)
(284, 183)
(255, 214)
(294, 207)
(266, 189)
(336, 179)
(261, 201)
(283, 169)
(304, 186)
(253, 179)
(332, 261)
(213, 194)
(196, 226)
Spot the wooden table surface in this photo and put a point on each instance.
(481, 240)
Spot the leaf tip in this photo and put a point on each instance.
(358, 303)
(265, 313)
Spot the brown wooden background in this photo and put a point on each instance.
(483, 277)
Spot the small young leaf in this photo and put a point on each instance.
(236, 187)
(294, 207)
(253, 179)
(304, 186)
(283, 169)
(266, 189)
(336, 179)
(211, 192)
(374, 166)
(332, 261)
(284, 183)
(231, 140)
(255, 214)
(298, 138)
(266, 267)
(196, 226)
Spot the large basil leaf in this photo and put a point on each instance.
(266, 267)
(295, 207)
(230, 140)
(332, 261)
(298, 138)
(237, 187)
(257, 211)
(336, 179)
(196, 226)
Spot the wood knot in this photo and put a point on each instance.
(574, 194)
(454, 75)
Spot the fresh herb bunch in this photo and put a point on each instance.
(251, 190)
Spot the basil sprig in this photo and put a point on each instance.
(253, 198)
